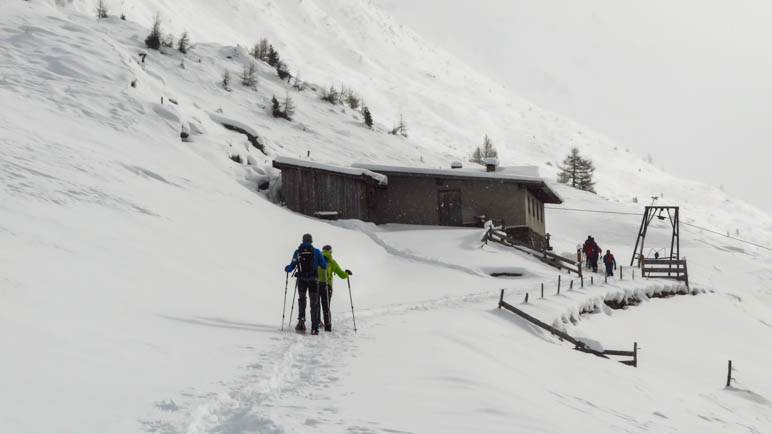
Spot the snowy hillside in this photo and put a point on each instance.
(142, 275)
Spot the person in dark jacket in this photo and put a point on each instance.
(610, 263)
(306, 260)
(595, 252)
(325, 284)
(587, 249)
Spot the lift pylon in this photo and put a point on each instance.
(675, 240)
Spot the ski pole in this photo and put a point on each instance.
(293, 299)
(348, 280)
(284, 306)
(327, 293)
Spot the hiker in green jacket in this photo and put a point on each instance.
(325, 284)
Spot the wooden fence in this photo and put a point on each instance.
(548, 258)
(665, 269)
(578, 345)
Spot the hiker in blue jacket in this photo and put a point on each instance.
(610, 262)
(306, 260)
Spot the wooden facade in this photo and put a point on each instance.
(319, 192)
(417, 196)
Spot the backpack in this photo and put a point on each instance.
(306, 262)
(609, 259)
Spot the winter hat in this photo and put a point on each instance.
(307, 238)
(327, 248)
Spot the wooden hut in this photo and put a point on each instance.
(328, 191)
(512, 197)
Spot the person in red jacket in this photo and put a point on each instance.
(610, 262)
(587, 249)
(594, 255)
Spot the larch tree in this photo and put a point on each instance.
(486, 150)
(577, 171)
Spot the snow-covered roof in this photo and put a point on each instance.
(296, 162)
(527, 175)
(491, 161)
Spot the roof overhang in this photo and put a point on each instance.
(535, 185)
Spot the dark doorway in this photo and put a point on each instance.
(450, 208)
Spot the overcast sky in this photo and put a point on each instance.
(689, 82)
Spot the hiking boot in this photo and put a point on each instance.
(328, 327)
(314, 331)
(301, 327)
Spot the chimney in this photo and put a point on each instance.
(491, 163)
(456, 165)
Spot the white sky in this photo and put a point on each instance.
(689, 82)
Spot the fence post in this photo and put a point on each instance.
(501, 299)
(542, 290)
(558, 284)
(621, 277)
(633, 273)
(526, 297)
(579, 261)
(592, 280)
(571, 285)
(605, 279)
(729, 375)
(635, 354)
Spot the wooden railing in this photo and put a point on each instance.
(549, 258)
(665, 269)
(578, 345)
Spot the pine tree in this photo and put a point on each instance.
(289, 107)
(577, 171)
(184, 43)
(226, 80)
(331, 96)
(368, 117)
(486, 150)
(262, 49)
(352, 99)
(283, 71)
(275, 107)
(249, 76)
(101, 10)
(272, 57)
(401, 128)
(153, 40)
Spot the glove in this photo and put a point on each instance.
(288, 268)
(349, 272)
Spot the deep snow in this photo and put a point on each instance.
(141, 284)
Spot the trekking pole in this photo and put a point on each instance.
(284, 306)
(327, 294)
(348, 280)
(293, 299)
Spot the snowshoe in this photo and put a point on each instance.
(301, 327)
(328, 327)
(314, 331)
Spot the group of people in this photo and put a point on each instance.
(592, 252)
(314, 272)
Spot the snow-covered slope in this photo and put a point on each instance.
(141, 280)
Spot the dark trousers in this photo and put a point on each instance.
(609, 269)
(310, 287)
(325, 295)
(594, 263)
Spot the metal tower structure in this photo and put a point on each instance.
(649, 215)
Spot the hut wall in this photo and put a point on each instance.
(415, 200)
(307, 191)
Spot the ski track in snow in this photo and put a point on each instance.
(298, 367)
